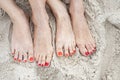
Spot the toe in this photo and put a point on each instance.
(31, 57)
(20, 57)
(94, 46)
(59, 50)
(43, 61)
(13, 51)
(66, 51)
(48, 60)
(37, 56)
(71, 50)
(83, 50)
(89, 48)
(16, 55)
(25, 57)
(39, 61)
(74, 50)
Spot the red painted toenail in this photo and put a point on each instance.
(15, 58)
(94, 47)
(42, 65)
(94, 50)
(66, 55)
(39, 64)
(87, 53)
(74, 51)
(25, 60)
(31, 59)
(19, 60)
(60, 54)
(46, 64)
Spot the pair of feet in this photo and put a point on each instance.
(67, 37)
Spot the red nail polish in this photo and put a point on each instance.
(66, 55)
(74, 51)
(15, 58)
(46, 64)
(42, 65)
(19, 60)
(39, 65)
(60, 53)
(86, 53)
(25, 60)
(31, 59)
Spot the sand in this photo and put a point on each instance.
(103, 17)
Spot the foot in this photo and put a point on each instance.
(84, 39)
(65, 42)
(42, 35)
(21, 42)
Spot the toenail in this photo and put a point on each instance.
(31, 59)
(19, 60)
(87, 53)
(90, 52)
(60, 54)
(46, 64)
(66, 55)
(42, 65)
(74, 51)
(25, 60)
(39, 65)
(15, 58)
(94, 50)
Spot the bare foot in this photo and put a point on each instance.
(21, 43)
(65, 42)
(84, 39)
(42, 35)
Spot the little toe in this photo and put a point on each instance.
(43, 61)
(66, 53)
(16, 55)
(83, 50)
